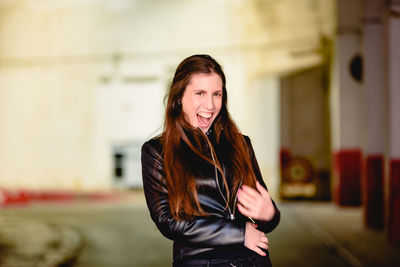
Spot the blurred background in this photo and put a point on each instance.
(314, 83)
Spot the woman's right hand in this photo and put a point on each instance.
(255, 239)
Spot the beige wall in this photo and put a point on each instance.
(61, 86)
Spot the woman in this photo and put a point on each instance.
(201, 180)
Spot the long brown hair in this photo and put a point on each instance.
(182, 191)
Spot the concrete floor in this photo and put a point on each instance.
(121, 233)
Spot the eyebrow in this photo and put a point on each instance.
(217, 91)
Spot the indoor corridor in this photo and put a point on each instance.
(315, 84)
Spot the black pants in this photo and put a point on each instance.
(253, 261)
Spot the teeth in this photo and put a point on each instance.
(205, 115)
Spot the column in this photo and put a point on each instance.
(394, 121)
(375, 128)
(346, 105)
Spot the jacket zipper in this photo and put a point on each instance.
(236, 197)
(231, 215)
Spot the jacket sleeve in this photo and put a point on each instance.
(264, 226)
(202, 231)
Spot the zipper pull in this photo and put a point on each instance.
(251, 219)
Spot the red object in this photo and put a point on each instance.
(373, 192)
(18, 197)
(394, 202)
(348, 170)
(284, 157)
(12, 197)
(49, 196)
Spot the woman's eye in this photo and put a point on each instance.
(218, 94)
(200, 93)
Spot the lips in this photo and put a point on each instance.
(204, 119)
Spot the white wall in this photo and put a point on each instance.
(46, 126)
(68, 68)
(263, 127)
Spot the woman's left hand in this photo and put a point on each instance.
(256, 204)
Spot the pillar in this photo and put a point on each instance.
(375, 124)
(346, 105)
(394, 121)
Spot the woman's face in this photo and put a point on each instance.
(202, 100)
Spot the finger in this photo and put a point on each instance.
(259, 251)
(246, 205)
(245, 199)
(248, 212)
(243, 210)
(264, 239)
(264, 193)
(250, 192)
(262, 245)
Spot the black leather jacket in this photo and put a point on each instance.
(222, 232)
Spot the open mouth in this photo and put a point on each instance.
(204, 119)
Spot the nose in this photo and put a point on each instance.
(210, 102)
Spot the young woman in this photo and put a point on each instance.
(201, 180)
